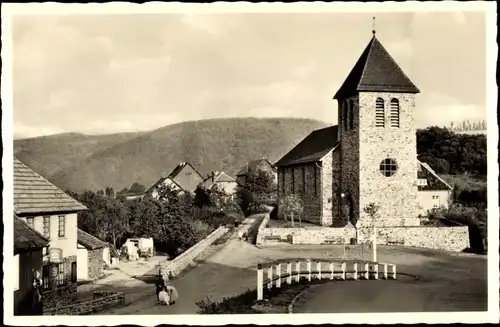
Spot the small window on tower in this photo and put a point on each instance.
(351, 115)
(388, 167)
(394, 113)
(379, 113)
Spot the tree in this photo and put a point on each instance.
(261, 183)
(137, 188)
(110, 192)
(115, 220)
(291, 205)
(202, 197)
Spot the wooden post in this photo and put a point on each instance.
(270, 277)
(289, 272)
(318, 264)
(375, 271)
(393, 271)
(385, 271)
(332, 269)
(278, 273)
(355, 270)
(309, 270)
(367, 271)
(343, 269)
(297, 270)
(260, 282)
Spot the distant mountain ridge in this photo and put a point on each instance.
(79, 162)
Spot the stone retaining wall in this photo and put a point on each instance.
(260, 230)
(174, 267)
(455, 239)
(99, 302)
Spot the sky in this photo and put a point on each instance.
(99, 74)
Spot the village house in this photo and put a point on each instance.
(184, 178)
(53, 213)
(369, 157)
(254, 165)
(28, 262)
(223, 182)
(433, 191)
(92, 256)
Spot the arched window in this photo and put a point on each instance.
(379, 113)
(394, 113)
(351, 115)
(345, 112)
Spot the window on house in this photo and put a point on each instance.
(435, 197)
(46, 226)
(16, 272)
(60, 274)
(351, 115)
(435, 206)
(388, 167)
(394, 113)
(31, 222)
(73, 272)
(62, 226)
(46, 277)
(422, 182)
(189, 173)
(303, 180)
(379, 113)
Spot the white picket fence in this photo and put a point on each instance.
(291, 270)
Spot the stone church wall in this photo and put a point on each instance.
(397, 194)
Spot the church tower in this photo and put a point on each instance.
(377, 133)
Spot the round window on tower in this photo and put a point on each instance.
(388, 167)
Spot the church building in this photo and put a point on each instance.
(369, 157)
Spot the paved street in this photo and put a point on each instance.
(231, 269)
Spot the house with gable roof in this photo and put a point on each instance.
(91, 255)
(52, 213)
(223, 182)
(254, 165)
(184, 178)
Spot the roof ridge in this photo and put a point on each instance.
(370, 48)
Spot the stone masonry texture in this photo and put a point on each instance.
(95, 263)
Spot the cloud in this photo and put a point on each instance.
(206, 23)
(305, 70)
(440, 109)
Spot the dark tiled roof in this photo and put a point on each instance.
(434, 182)
(376, 71)
(26, 238)
(33, 194)
(185, 183)
(252, 165)
(90, 242)
(314, 147)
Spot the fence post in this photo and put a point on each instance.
(332, 269)
(278, 273)
(270, 277)
(260, 282)
(355, 270)
(289, 272)
(375, 273)
(318, 265)
(367, 272)
(343, 269)
(393, 271)
(385, 271)
(309, 270)
(297, 270)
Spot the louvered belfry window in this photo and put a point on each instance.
(379, 113)
(394, 113)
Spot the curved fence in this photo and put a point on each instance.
(291, 271)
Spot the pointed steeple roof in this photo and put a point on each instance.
(376, 71)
